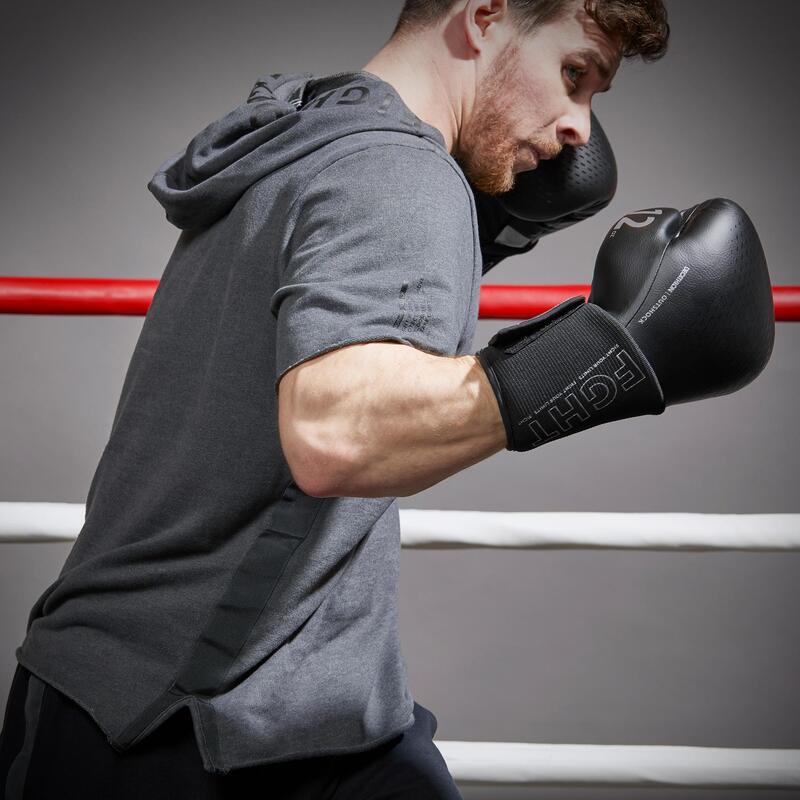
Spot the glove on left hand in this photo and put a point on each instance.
(558, 193)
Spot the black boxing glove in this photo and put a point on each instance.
(680, 309)
(576, 184)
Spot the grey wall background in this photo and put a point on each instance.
(584, 647)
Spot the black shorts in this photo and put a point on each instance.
(64, 755)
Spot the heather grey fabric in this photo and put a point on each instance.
(318, 213)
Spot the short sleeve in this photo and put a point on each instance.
(382, 249)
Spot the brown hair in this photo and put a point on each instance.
(639, 27)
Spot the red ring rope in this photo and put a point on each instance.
(19, 295)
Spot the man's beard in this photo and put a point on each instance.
(485, 151)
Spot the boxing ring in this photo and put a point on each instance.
(495, 763)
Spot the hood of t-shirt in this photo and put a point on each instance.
(269, 130)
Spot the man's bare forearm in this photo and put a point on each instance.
(400, 420)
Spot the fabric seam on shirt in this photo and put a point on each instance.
(264, 608)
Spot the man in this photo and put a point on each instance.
(225, 625)
(506, 91)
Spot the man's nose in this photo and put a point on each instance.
(575, 127)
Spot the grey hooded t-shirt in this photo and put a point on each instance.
(318, 213)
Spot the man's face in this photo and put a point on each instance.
(537, 94)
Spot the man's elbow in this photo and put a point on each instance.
(313, 472)
(321, 482)
(318, 467)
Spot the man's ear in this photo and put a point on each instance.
(479, 19)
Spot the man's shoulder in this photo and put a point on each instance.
(389, 158)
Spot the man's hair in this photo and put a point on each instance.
(639, 27)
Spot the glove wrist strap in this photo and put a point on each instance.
(566, 370)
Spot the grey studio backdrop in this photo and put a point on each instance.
(569, 647)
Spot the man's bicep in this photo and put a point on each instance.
(320, 401)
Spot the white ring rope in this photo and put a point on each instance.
(521, 764)
(586, 529)
(513, 763)
(56, 522)
(41, 522)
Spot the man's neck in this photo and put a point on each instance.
(422, 86)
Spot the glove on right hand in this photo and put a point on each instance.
(680, 309)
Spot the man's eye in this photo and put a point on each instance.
(577, 72)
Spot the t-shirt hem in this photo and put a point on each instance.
(200, 713)
(306, 754)
(378, 336)
(56, 684)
